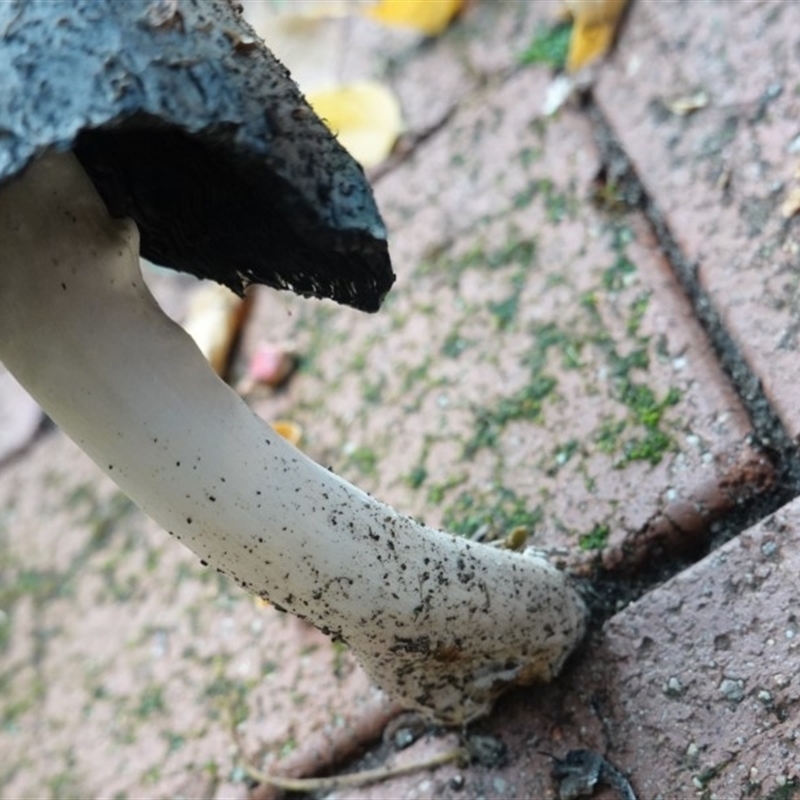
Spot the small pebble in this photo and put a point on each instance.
(456, 783)
(271, 364)
(673, 687)
(404, 737)
(733, 689)
(768, 549)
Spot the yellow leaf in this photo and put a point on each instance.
(791, 205)
(365, 117)
(290, 431)
(593, 33)
(213, 319)
(687, 104)
(430, 17)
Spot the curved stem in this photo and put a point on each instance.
(439, 622)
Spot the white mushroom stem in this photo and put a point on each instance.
(439, 622)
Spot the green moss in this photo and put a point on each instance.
(339, 662)
(608, 436)
(455, 344)
(65, 784)
(642, 401)
(416, 477)
(372, 391)
(645, 439)
(588, 302)
(519, 252)
(549, 47)
(229, 696)
(438, 491)
(152, 775)
(436, 494)
(40, 585)
(525, 404)
(637, 311)
(20, 702)
(268, 667)
(298, 699)
(562, 455)
(621, 366)
(596, 539)
(530, 155)
(505, 311)
(647, 411)
(523, 198)
(617, 276)
(493, 515)
(546, 337)
(650, 447)
(363, 459)
(558, 205)
(610, 196)
(415, 375)
(151, 702)
(118, 591)
(786, 792)
(175, 741)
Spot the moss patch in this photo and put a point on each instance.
(549, 47)
(492, 515)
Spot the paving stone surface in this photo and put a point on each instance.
(692, 691)
(538, 365)
(125, 664)
(721, 175)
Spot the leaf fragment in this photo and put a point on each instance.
(429, 17)
(791, 205)
(365, 116)
(686, 104)
(214, 318)
(289, 430)
(593, 33)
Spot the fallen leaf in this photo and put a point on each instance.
(290, 431)
(687, 104)
(430, 17)
(595, 25)
(365, 117)
(791, 205)
(213, 320)
(309, 37)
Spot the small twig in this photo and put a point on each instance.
(353, 780)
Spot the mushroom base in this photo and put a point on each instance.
(441, 623)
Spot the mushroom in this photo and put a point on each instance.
(194, 148)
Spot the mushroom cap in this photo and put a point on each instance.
(186, 123)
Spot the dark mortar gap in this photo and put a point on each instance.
(605, 593)
(407, 145)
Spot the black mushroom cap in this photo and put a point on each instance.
(188, 124)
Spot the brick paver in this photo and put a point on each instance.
(693, 690)
(537, 365)
(720, 176)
